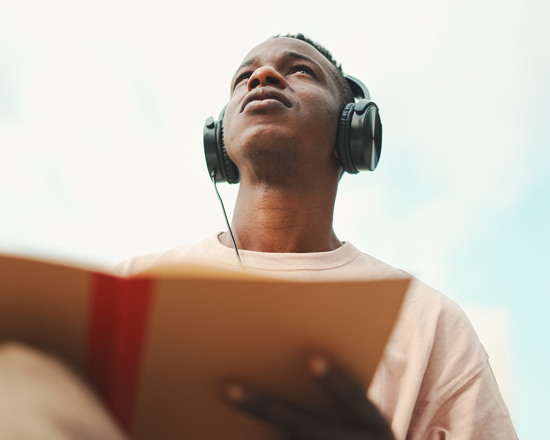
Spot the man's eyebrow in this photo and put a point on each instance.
(248, 62)
(289, 54)
(299, 56)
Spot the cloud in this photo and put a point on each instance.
(116, 110)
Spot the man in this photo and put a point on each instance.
(280, 130)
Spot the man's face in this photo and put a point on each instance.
(284, 109)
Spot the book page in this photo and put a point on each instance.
(45, 305)
(204, 330)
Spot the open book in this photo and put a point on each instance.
(156, 347)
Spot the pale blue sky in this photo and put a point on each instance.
(102, 106)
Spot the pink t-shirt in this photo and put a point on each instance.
(434, 380)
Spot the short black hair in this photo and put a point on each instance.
(345, 90)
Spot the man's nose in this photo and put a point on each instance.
(266, 76)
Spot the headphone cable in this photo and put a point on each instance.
(213, 177)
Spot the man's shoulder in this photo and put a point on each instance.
(433, 354)
(433, 329)
(421, 297)
(187, 253)
(434, 335)
(439, 322)
(420, 294)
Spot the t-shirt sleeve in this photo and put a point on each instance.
(435, 381)
(476, 411)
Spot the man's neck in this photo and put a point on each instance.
(270, 219)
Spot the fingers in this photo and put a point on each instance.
(362, 421)
(349, 394)
(344, 389)
(289, 418)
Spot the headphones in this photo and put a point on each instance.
(359, 138)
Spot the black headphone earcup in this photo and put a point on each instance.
(342, 143)
(232, 173)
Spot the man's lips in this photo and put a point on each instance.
(263, 93)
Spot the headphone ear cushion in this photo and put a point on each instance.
(342, 144)
(232, 173)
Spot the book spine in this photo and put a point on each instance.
(118, 325)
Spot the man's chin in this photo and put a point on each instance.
(274, 159)
(265, 135)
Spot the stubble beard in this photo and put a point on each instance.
(275, 162)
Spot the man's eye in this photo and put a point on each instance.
(304, 70)
(242, 77)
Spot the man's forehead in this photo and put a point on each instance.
(281, 45)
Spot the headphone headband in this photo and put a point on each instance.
(359, 89)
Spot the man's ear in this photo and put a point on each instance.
(337, 156)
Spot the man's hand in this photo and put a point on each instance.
(356, 417)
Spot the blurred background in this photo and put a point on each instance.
(102, 106)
